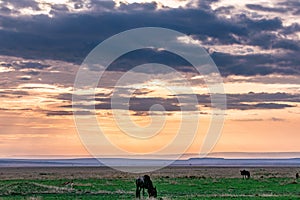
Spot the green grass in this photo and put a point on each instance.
(168, 188)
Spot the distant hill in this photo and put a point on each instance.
(216, 162)
(239, 162)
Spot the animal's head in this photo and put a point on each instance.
(153, 192)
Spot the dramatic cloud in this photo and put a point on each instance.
(250, 101)
(261, 99)
(263, 8)
(254, 100)
(70, 37)
(254, 43)
(47, 46)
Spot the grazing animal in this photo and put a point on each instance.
(144, 182)
(245, 174)
(297, 175)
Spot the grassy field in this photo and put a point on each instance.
(172, 183)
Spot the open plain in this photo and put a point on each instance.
(171, 183)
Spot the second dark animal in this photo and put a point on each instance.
(245, 174)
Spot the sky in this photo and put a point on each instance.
(254, 43)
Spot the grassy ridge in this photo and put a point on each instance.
(168, 188)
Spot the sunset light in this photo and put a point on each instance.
(45, 43)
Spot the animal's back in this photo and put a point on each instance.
(139, 181)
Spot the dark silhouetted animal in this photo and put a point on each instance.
(245, 174)
(297, 175)
(144, 182)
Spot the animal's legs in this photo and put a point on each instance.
(138, 192)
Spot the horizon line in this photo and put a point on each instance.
(225, 155)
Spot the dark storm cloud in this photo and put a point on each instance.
(32, 65)
(5, 10)
(97, 5)
(256, 97)
(291, 4)
(64, 96)
(68, 96)
(6, 65)
(282, 7)
(13, 7)
(17, 4)
(56, 113)
(225, 10)
(34, 73)
(252, 100)
(144, 104)
(139, 57)
(146, 113)
(257, 64)
(268, 9)
(62, 113)
(263, 24)
(58, 8)
(137, 6)
(270, 41)
(71, 36)
(262, 97)
(293, 28)
(287, 44)
(14, 92)
(249, 101)
(136, 104)
(245, 106)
